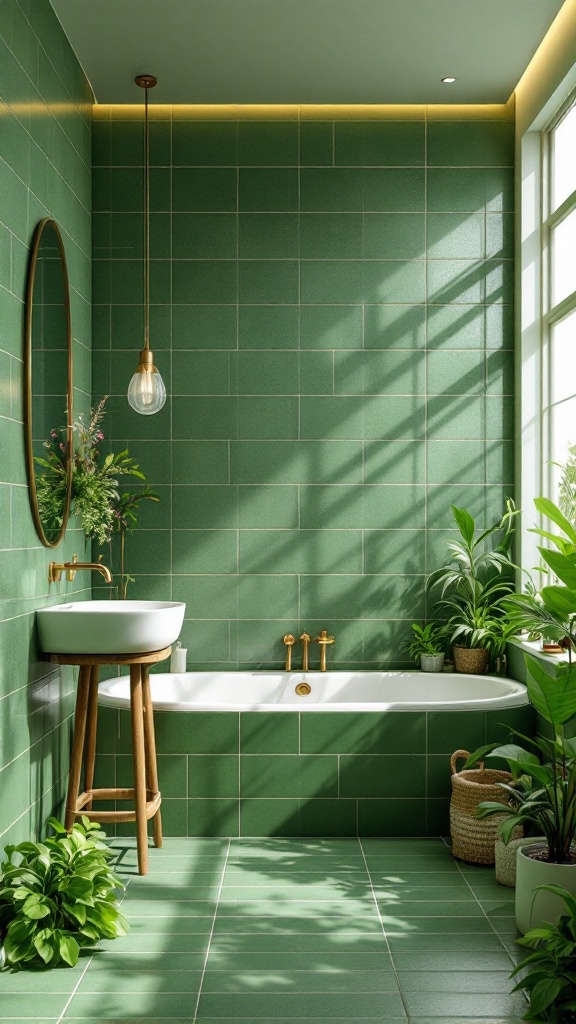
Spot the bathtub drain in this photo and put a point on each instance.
(303, 689)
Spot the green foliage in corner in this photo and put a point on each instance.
(548, 972)
(475, 580)
(57, 896)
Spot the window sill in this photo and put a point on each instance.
(532, 647)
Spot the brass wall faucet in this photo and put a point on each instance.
(324, 640)
(70, 568)
(305, 640)
(289, 640)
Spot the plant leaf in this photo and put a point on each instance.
(544, 993)
(551, 511)
(43, 946)
(559, 600)
(554, 697)
(465, 523)
(69, 949)
(563, 566)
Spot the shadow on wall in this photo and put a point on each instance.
(302, 528)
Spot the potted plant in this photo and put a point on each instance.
(548, 972)
(58, 896)
(542, 795)
(550, 612)
(473, 585)
(427, 645)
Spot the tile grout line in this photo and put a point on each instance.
(485, 915)
(218, 895)
(74, 991)
(85, 971)
(377, 907)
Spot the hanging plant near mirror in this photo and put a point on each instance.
(103, 509)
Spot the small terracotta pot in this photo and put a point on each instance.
(470, 659)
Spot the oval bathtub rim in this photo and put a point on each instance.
(517, 697)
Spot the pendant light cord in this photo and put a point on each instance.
(146, 223)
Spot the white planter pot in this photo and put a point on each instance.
(431, 662)
(532, 910)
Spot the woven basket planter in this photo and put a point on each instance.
(474, 839)
(470, 659)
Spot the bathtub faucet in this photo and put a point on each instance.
(289, 641)
(305, 640)
(324, 640)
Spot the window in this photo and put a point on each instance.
(559, 295)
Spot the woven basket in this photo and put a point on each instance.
(506, 857)
(470, 659)
(474, 839)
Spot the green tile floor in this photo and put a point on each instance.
(306, 931)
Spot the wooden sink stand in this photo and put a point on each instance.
(144, 793)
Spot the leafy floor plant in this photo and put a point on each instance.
(58, 896)
(549, 972)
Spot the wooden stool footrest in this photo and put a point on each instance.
(153, 801)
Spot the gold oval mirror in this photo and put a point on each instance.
(48, 384)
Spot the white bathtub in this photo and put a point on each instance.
(330, 691)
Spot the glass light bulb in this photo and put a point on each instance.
(146, 391)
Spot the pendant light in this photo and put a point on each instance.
(146, 391)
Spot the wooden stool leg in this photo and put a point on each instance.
(91, 728)
(77, 744)
(139, 760)
(150, 744)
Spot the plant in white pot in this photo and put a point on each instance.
(473, 584)
(542, 796)
(427, 646)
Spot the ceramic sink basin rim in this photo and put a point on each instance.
(109, 627)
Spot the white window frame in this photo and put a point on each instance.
(536, 317)
(551, 315)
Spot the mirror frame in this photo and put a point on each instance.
(33, 494)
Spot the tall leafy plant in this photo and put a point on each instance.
(543, 788)
(476, 579)
(58, 896)
(552, 610)
(548, 974)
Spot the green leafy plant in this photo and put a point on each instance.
(567, 488)
(58, 896)
(429, 639)
(51, 483)
(475, 581)
(543, 788)
(104, 511)
(552, 610)
(549, 973)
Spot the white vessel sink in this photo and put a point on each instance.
(109, 627)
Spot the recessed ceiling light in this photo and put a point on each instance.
(448, 80)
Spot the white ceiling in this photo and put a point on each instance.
(306, 51)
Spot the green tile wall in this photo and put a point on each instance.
(45, 170)
(332, 314)
(304, 773)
